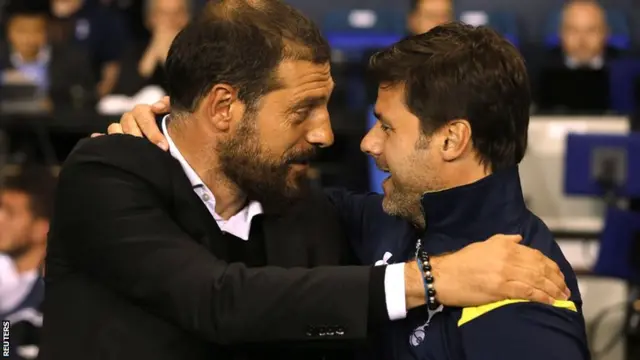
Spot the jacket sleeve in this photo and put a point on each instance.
(370, 231)
(115, 229)
(512, 329)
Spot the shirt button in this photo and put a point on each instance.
(205, 197)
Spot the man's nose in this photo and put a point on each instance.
(322, 135)
(371, 144)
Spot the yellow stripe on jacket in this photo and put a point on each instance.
(471, 313)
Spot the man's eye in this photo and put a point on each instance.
(385, 127)
(302, 114)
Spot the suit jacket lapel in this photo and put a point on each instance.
(193, 216)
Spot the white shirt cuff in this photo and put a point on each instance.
(394, 291)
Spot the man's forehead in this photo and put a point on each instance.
(302, 76)
(14, 197)
(584, 14)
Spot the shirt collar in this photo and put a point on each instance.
(240, 223)
(193, 177)
(596, 63)
(43, 57)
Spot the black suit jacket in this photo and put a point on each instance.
(134, 269)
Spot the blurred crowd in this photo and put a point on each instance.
(74, 53)
(82, 53)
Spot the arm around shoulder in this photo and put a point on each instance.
(116, 228)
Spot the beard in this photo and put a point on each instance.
(403, 203)
(18, 250)
(262, 176)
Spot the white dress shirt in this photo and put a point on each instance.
(596, 63)
(14, 286)
(239, 225)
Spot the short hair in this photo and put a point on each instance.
(457, 71)
(240, 43)
(39, 184)
(414, 5)
(26, 8)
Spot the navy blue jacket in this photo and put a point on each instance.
(504, 330)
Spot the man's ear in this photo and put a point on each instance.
(40, 230)
(456, 138)
(219, 105)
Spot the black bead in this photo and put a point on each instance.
(429, 279)
(432, 292)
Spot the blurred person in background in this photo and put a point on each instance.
(427, 14)
(58, 71)
(95, 28)
(574, 75)
(583, 34)
(143, 62)
(26, 202)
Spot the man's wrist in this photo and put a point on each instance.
(442, 276)
(414, 285)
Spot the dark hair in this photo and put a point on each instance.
(414, 5)
(27, 8)
(39, 184)
(240, 43)
(456, 71)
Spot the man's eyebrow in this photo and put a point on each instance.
(310, 101)
(380, 117)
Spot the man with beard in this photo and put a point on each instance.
(156, 255)
(453, 115)
(451, 144)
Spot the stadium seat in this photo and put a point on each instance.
(622, 77)
(619, 37)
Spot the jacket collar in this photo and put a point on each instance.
(478, 209)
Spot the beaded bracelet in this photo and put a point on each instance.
(423, 261)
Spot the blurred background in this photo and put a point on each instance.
(70, 67)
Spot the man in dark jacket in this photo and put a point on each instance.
(451, 145)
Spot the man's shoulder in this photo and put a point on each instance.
(122, 151)
(538, 236)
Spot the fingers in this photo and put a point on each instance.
(143, 118)
(544, 269)
(509, 238)
(129, 126)
(114, 128)
(536, 281)
(553, 274)
(520, 290)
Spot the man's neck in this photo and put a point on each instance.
(202, 159)
(463, 173)
(30, 260)
(28, 58)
